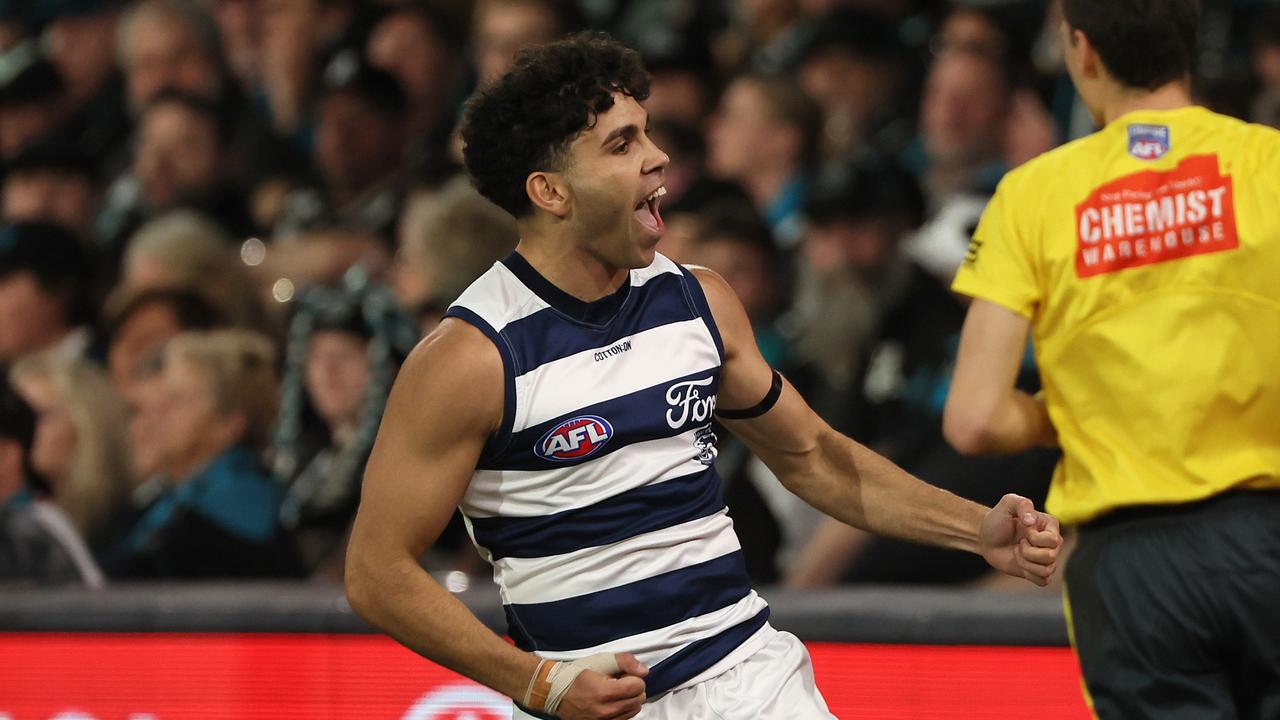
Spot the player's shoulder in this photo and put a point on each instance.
(455, 354)
(715, 287)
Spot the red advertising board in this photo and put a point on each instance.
(73, 676)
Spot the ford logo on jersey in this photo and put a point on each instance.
(574, 439)
(1148, 142)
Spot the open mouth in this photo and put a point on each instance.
(646, 211)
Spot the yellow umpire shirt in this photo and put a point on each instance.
(1147, 258)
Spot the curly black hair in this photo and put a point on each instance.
(525, 120)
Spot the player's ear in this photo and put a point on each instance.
(550, 192)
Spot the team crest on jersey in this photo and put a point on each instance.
(574, 439)
(1148, 142)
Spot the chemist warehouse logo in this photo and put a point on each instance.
(574, 439)
(1150, 217)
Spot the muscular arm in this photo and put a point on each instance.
(985, 413)
(445, 403)
(853, 484)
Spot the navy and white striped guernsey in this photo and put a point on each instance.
(597, 503)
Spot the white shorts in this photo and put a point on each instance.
(774, 683)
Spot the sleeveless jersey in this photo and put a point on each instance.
(597, 503)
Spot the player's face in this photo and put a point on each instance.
(616, 174)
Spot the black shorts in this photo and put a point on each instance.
(1175, 610)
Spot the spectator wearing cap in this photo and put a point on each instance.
(360, 144)
(858, 213)
(217, 514)
(80, 446)
(45, 273)
(346, 343)
(38, 542)
(856, 68)
(32, 96)
(53, 182)
(764, 136)
(80, 39)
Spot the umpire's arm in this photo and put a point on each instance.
(853, 484)
(985, 412)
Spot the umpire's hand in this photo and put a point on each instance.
(1021, 541)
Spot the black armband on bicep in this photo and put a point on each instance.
(760, 408)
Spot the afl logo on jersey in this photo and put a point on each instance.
(1148, 142)
(574, 439)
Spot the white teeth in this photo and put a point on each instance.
(662, 190)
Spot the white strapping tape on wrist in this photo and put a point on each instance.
(564, 673)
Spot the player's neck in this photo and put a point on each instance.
(1123, 100)
(573, 270)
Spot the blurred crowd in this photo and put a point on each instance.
(226, 222)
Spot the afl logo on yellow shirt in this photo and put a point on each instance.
(1148, 142)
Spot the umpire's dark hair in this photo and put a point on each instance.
(1143, 43)
(524, 121)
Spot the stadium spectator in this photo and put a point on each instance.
(448, 238)
(146, 400)
(32, 99)
(80, 446)
(420, 47)
(168, 45)
(360, 145)
(764, 136)
(54, 182)
(174, 45)
(500, 28)
(680, 92)
(217, 516)
(143, 322)
(856, 68)
(345, 346)
(732, 240)
(241, 28)
(182, 249)
(966, 100)
(80, 39)
(849, 259)
(38, 543)
(44, 291)
(183, 159)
